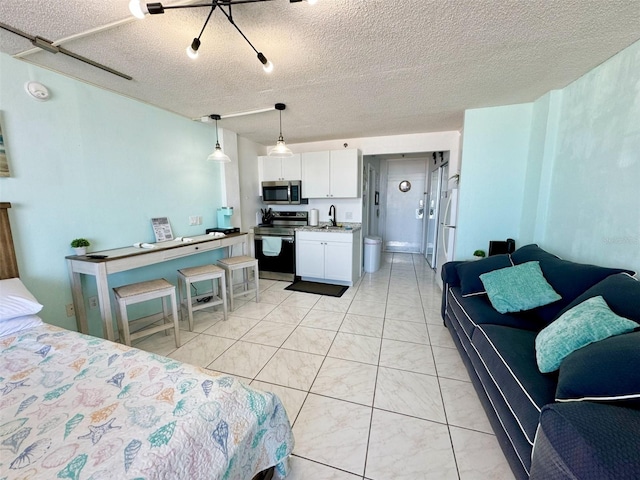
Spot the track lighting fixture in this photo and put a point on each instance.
(138, 9)
(218, 155)
(280, 150)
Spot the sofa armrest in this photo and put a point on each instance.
(450, 278)
(449, 274)
(585, 440)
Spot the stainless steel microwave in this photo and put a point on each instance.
(286, 192)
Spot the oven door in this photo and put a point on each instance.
(277, 267)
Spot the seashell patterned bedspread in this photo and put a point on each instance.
(79, 407)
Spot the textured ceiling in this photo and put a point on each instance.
(345, 68)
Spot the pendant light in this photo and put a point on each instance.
(280, 150)
(218, 155)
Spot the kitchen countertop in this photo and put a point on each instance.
(343, 228)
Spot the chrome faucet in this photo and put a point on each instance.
(333, 220)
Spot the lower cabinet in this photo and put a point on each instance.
(328, 257)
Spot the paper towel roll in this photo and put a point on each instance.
(313, 217)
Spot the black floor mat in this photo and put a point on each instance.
(318, 288)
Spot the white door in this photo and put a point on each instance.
(344, 173)
(338, 261)
(405, 205)
(271, 169)
(315, 174)
(309, 258)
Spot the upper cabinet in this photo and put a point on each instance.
(331, 174)
(273, 169)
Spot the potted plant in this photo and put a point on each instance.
(478, 254)
(80, 245)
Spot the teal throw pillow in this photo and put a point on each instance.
(519, 288)
(586, 323)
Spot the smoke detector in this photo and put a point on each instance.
(37, 90)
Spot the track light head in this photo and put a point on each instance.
(155, 8)
(192, 50)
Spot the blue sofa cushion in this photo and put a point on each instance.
(586, 441)
(605, 371)
(509, 354)
(518, 288)
(473, 311)
(469, 273)
(620, 291)
(569, 279)
(588, 322)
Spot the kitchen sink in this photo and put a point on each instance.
(329, 228)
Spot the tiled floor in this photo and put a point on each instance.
(371, 381)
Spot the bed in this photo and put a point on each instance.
(79, 407)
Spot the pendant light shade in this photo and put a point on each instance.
(280, 150)
(218, 155)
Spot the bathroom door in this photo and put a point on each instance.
(405, 205)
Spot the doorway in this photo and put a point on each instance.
(404, 205)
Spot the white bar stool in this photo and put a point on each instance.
(141, 292)
(244, 263)
(187, 276)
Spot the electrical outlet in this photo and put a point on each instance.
(70, 310)
(195, 220)
(348, 215)
(93, 302)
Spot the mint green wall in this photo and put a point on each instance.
(574, 160)
(495, 149)
(594, 206)
(90, 163)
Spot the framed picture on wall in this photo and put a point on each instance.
(4, 162)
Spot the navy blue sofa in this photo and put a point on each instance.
(581, 422)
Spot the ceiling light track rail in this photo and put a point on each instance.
(49, 46)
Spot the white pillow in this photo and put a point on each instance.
(16, 300)
(15, 325)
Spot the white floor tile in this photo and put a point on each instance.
(406, 331)
(234, 327)
(408, 448)
(463, 406)
(303, 469)
(287, 314)
(275, 296)
(410, 393)
(323, 319)
(333, 432)
(346, 380)
(202, 319)
(479, 456)
(333, 304)
(397, 310)
(367, 308)
(407, 356)
(254, 310)
(302, 300)
(268, 333)
(362, 325)
(310, 340)
(449, 364)
(439, 336)
(291, 369)
(202, 350)
(243, 359)
(356, 347)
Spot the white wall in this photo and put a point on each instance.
(248, 153)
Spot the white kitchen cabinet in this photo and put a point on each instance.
(315, 174)
(328, 257)
(274, 169)
(331, 174)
